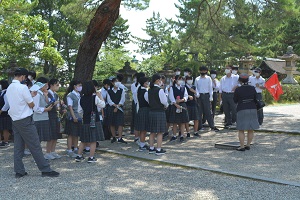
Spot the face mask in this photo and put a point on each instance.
(134, 80)
(180, 82)
(79, 88)
(177, 73)
(185, 73)
(160, 83)
(190, 82)
(256, 74)
(234, 72)
(30, 77)
(117, 84)
(203, 73)
(227, 71)
(213, 76)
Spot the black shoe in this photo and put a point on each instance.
(228, 125)
(161, 152)
(4, 144)
(97, 144)
(181, 139)
(188, 135)
(50, 174)
(79, 158)
(18, 175)
(215, 129)
(86, 151)
(152, 151)
(165, 135)
(196, 134)
(92, 160)
(121, 141)
(145, 147)
(247, 147)
(135, 140)
(240, 149)
(113, 140)
(173, 138)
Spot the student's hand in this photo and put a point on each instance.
(177, 106)
(33, 93)
(49, 108)
(116, 110)
(211, 99)
(75, 119)
(191, 98)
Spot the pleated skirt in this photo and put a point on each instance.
(157, 122)
(73, 128)
(114, 118)
(55, 126)
(178, 118)
(44, 130)
(247, 120)
(5, 123)
(142, 119)
(92, 134)
(193, 112)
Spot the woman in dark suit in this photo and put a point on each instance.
(245, 97)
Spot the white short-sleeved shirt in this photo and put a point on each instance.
(19, 97)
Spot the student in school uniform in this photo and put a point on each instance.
(73, 120)
(215, 86)
(115, 113)
(103, 91)
(5, 120)
(178, 112)
(228, 84)
(192, 107)
(89, 105)
(157, 117)
(142, 116)
(166, 89)
(53, 115)
(204, 94)
(134, 88)
(41, 109)
(258, 82)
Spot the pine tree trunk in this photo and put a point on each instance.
(96, 33)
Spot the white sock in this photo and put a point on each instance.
(75, 149)
(69, 150)
(158, 149)
(142, 144)
(152, 148)
(87, 148)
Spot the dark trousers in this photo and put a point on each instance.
(204, 108)
(260, 113)
(25, 133)
(133, 112)
(229, 108)
(214, 104)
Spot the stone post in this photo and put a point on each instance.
(167, 72)
(127, 73)
(246, 63)
(290, 68)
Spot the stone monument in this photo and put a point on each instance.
(246, 63)
(127, 81)
(290, 67)
(167, 72)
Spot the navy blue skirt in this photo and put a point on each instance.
(142, 119)
(178, 118)
(114, 118)
(157, 122)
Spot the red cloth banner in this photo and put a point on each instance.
(274, 87)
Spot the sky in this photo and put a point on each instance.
(137, 19)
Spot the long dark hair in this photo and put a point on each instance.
(138, 76)
(71, 87)
(155, 77)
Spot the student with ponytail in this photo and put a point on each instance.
(157, 117)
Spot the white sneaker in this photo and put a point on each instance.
(72, 154)
(27, 152)
(55, 155)
(49, 156)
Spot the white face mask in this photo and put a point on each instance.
(0, 87)
(134, 80)
(190, 82)
(227, 71)
(160, 83)
(79, 88)
(213, 76)
(180, 82)
(185, 73)
(117, 84)
(256, 74)
(177, 73)
(234, 72)
(30, 77)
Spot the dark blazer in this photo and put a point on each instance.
(245, 97)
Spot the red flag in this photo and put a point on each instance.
(274, 87)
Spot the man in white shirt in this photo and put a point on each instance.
(21, 104)
(204, 94)
(228, 84)
(259, 83)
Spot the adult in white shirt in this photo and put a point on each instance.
(25, 132)
(204, 94)
(228, 84)
(259, 83)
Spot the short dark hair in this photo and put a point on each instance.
(177, 69)
(106, 81)
(95, 83)
(120, 77)
(187, 70)
(163, 77)
(213, 71)
(154, 78)
(188, 78)
(32, 73)
(4, 83)
(88, 88)
(42, 80)
(21, 71)
(203, 68)
(143, 80)
(53, 81)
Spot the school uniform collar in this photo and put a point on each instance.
(51, 92)
(143, 88)
(76, 93)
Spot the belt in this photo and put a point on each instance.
(228, 92)
(204, 93)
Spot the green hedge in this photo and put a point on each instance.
(291, 95)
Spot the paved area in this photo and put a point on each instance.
(268, 171)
